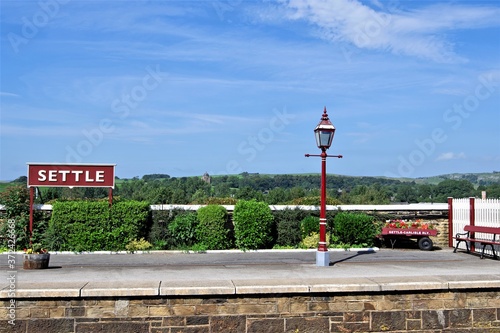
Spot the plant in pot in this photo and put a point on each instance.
(36, 257)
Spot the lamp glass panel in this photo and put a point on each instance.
(325, 138)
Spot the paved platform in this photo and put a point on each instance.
(254, 272)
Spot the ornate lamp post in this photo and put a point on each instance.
(324, 133)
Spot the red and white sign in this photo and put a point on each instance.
(71, 175)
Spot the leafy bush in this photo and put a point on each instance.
(312, 241)
(159, 235)
(92, 225)
(309, 225)
(213, 231)
(17, 209)
(138, 245)
(355, 228)
(287, 224)
(183, 229)
(252, 224)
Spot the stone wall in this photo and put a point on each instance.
(429, 312)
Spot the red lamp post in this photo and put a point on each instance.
(324, 133)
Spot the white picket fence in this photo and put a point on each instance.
(486, 212)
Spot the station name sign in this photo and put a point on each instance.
(71, 175)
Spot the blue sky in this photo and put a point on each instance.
(227, 86)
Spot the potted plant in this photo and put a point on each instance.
(36, 257)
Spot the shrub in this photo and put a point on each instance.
(213, 231)
(159, 235)
(92, 225)
(312, 241)
(252, 224)
(287, 224)
(309, 225)
(183, 229)
(355, 228)
(138, 245)
(17, 208)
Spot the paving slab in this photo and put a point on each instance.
(271, 286)
(200, 287)
(46, 289)
(236, 272)
(120, 288)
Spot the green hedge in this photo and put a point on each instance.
(93, 226)
(355, 228)
(214, 230)
(253, 222)
(183, 229)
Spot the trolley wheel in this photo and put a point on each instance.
(425, 244)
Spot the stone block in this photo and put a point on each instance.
(75, 311)
(197, 320)
(112, 327)
(39, 313)
(58, 312)
(265, 325)
(460, 318)
(432, 320)
(160, 311)
(307, 324)
(100, 312)
(482, 316)
(18, 327)
(350, 327)
(413, 324)
(356, 316)
(388, 321)
(51, 325)
(183, 310)
(121, 308)
(138, 311)
(206, 309)
(199, 329)
(173, 321)
(233, 324)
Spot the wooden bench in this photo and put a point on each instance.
(469, 236)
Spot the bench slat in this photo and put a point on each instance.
(486, 230)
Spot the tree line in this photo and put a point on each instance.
(274, 189)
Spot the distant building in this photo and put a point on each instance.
(206, 178)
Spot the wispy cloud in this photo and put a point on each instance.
(450, 156)
(7, 94)
(419, 32)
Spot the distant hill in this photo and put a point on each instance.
(484, 178)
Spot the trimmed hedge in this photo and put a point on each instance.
(253, 223)
(93, 226)
(355, 228)
(214, 230)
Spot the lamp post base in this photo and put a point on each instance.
(322, 258)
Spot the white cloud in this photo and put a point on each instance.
(450, 156)
(7, 94)
(419, 33)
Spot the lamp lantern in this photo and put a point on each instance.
(324, 132)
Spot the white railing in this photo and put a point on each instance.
(393, 207)
(486, 213)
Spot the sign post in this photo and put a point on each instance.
(69, 175)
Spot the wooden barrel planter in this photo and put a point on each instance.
(36, 261)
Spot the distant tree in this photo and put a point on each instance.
(407, 193)
(21, 179)
(277, 196)
(454, 188)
